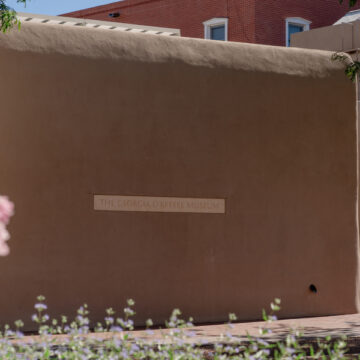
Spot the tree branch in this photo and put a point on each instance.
(8, 16)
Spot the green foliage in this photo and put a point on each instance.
(351, 2)
(352, 67)
(8, 16)
(115, 340)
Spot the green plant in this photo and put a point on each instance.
(115, 339)
(351, 2)
(8, 16)
(352, 67)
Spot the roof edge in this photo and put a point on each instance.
(62, 20)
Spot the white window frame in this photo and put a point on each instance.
(213, 23)
(295, 21)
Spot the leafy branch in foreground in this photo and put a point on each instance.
(8, 16)
(352, 67)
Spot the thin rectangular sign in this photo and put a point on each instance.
(158, 204)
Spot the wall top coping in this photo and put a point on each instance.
(89, 23)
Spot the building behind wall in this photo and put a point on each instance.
(342, 36)
(268, 22)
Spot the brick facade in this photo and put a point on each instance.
(254, 21)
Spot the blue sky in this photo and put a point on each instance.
(55, 7)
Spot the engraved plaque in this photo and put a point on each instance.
(159, 204)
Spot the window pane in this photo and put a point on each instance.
(294, 29)
(217, 32)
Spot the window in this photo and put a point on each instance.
(217, 32)
(216, 29)
(295, 25)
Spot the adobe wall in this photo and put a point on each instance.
(269, 131)
(343, 37)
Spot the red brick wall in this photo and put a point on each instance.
(255, 21)
(186, 15)
(271, 15)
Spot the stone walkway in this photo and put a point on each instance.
(209, 335)
(334, 326)
(311, 328)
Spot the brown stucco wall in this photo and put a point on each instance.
(342, 37)
(271, 130)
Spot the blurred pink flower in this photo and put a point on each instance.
(6, 209)
(4, 237)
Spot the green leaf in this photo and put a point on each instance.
(264, 315)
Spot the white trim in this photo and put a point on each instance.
(215, 22)
(295, 21)
(96, 24)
